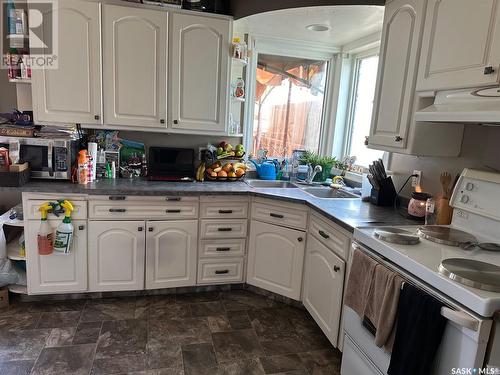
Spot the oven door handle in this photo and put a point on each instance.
(461, 318)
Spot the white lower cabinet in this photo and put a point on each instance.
(275, 259)
(116, 255)
(323, 285)
(171, 251)
(57, 273)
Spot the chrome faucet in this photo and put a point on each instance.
(312, 172)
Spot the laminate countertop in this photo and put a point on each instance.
(346, 212)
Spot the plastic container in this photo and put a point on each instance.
(83, 172)
(64, 232)
(45, 236)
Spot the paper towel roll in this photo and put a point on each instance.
(92, 151)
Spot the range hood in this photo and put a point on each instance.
(473, 105)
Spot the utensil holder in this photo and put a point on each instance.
(445, 212)
(385, 194)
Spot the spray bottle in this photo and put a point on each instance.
(64, 232)
(45, 238)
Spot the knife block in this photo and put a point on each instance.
(385, 194)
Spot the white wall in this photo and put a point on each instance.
(480, 149)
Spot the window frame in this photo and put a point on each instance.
(354, 80)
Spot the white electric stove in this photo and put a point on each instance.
(458, 264)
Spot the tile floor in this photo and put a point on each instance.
(234, 332)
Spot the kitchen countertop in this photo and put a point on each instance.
(348, 213)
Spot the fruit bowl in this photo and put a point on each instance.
(219, 171)
(223, 179)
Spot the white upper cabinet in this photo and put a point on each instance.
(72, 92)
(199, 60)
(395, 91)
(116, 255)
(171, 253)
(134, 66)
(461, 45)
(275, 259)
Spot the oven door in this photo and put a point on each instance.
(463, 345)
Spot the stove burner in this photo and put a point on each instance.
(473, 273)
(396, 236)
(487, 246)
(445, 235)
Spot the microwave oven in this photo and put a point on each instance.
(47, 158)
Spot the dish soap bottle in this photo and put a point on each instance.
(64, 232)
(45, 237)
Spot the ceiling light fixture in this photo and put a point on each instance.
(318, 27)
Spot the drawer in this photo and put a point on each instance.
(142, 210)
(223, 229)
(147, 199)
(31, 211)
(220, 271)
(329, 236)
(286, 216)
(227, 210)
(222, 248)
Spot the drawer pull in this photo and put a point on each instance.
(278, 216)
(117, 210)
(323, 234)
(224, 229)
(173, 211)
(117, 198)
(225, 211)
(173, 199)
(336, 268)
(221, 272)
(223, 249)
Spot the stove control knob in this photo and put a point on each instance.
(469, 186)
(464, 199)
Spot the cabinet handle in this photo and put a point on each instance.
(140, 229)
(488, 70)
(176, 122)
(323, 234)
(117, 198)
(162, 121)
(117, 210)
(300, 239)
(397, 138)
(221, 272)
(225, 211)
(278, 216)
(173, 211)
(173, 199)
(367, 141)
(223, 249)
(81, 227)
(224, 229)
(336, 268)
(150, 229)
(97, 117)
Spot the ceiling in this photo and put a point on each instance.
(347, 23)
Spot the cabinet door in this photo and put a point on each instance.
(275, 259)
(461, 39)
(323, 285)
(395, 91)
(200, 68)
(71, 93)
(56, 273)
(134, 66)
(116, 255)
(171, 251)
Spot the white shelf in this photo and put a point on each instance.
(20, 80)
(14, 223)
(18, 289)
(13, 250)
(239, 61)
(17, 36)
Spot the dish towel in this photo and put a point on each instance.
(382, 304)
(360, 279)
(419, 330)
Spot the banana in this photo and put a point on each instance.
(202, 172)
(239, 166)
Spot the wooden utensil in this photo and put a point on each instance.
(445, 180)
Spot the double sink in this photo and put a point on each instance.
(316, 191)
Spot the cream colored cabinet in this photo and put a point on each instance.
(116, 255)
(134, 66)
(323, 286)
(199, 65)
(461, 45)
(56, 273)
(275, 258)
(71, 91)
(395, 90)
(171, 253)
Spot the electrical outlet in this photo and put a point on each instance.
(415, 181)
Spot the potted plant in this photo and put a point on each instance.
(326, 162)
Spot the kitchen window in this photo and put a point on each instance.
(360, 116)
(289, 104)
